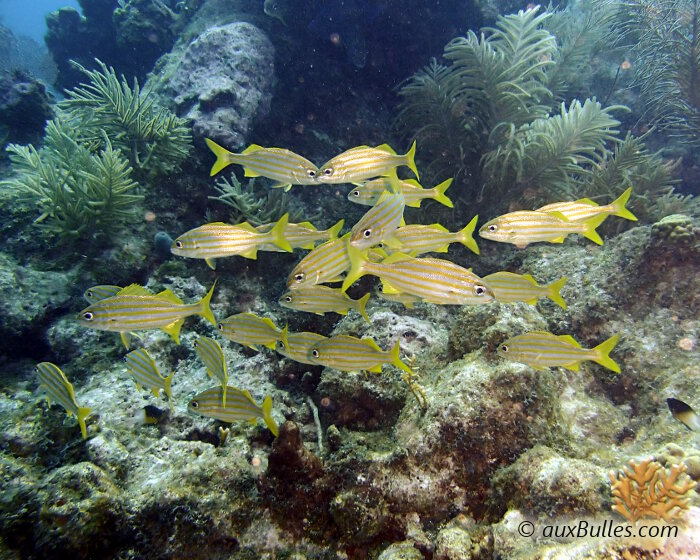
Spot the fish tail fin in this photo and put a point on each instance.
(361, 304)
(553, 292)
(277, 233)
(602, 352)
(396, 359)
(410, 160)
(83, 412)
(440, 195)
(267, 416)
(222, 157)
(357, 261)
(620, 206)
(466, 237)
(168, 391)
(590, 225)
(335, 230)
(205, 310)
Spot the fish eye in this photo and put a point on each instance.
(288, 299)
(178, 245)
(493, 228)
(88, 293)
(504, 348)
(355, 193)
(87, 316)
(315, 353)
(194, 404)
(479, 290)
(280, 344)
(367, 233)
(299, 277)
(221, 326)
(311, 173)
(328, 171)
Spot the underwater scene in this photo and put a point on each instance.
(349, 279)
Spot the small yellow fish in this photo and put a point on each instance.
(145, 372)
(528, 226)
(368, 193)
(216, 240)
(136, 309)
(509, 287)
(210, 352)
(433, 280)
(684, 413)
(583, 209)
(58, 388)
(325, 263)
(379, 222)
(250, 330)
(321, 299)
(363, 162)
(297, 345)
(540, 350)
(96, 293)
(301, 236)
(416, 239)
(348, 353)
(240, 406)
(278, 164)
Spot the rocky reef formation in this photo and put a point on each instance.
(25, 106)
(222, 81)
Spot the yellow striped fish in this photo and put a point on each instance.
(210, 352)
(407, 300)
(348, 353)
(509, 287)
(368, 193)
(325, 263)
(363, 162)
(103, 291)
(278, 164)
(301, 236)
(379, 222)
(216, 240)
(321, 299)
(250, 330)
(583, 209)
(240, 406)
(416, 239)
(432, 280)
(134, 308)
(58, 388)
(297, 345)
(145, 372)
(540, 350)
(528, 226)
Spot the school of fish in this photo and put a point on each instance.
(379, 244)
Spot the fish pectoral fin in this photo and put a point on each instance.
(572, 367)
(388, 288)
(251, 253)
(211, 263)
(286, 186)
(375, 369)
(569, 340)
(558, 239)
(156, 392)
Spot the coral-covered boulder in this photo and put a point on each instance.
(222, 81)
(24, 106)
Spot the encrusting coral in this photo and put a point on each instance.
(646, 490)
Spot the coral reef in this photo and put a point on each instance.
(221, 81)
(24, 107)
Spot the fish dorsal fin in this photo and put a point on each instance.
(396, 257)
(134, 290)
(530, 279)
(252, 148)
(168, 295)
(569, 339)
(370, 342)
(307, 225)
(247, 227)
(587, 201)
(558, 215)
(386, 148)
(270, 324)
(439, 227)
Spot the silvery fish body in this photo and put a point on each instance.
(509, 287)
(60, 390)
(103, 291)
(145, 372)
(379, 222)
(324, 264)
(250, 330)
(349, 353)
(301, 236)
(364, 162)
(321, 299)
(211, 353)
(368, 193)
(297, 345)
